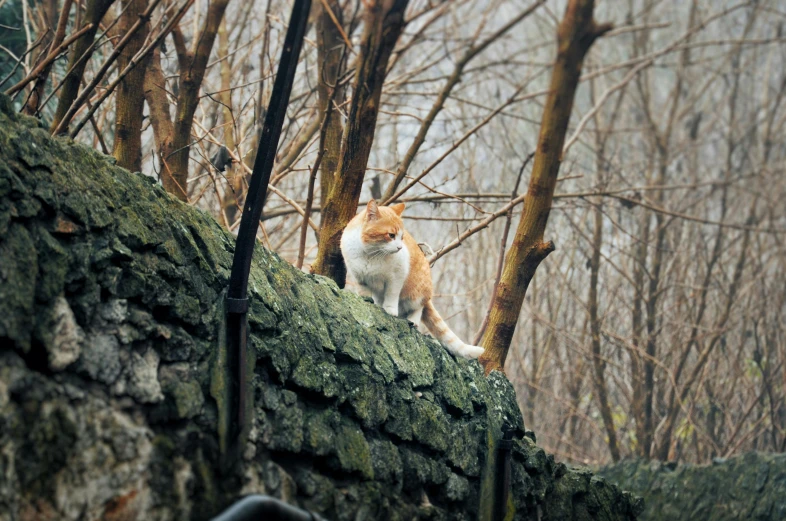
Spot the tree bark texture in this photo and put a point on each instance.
(160, 118)
(192, 70)
(232, 196)
(130, 103)
(330, 51)
(384, 24)
(51, 39)
(652, 323)
(637, 325)
(78, 58)
(575, 36)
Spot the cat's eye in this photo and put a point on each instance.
(392, 236)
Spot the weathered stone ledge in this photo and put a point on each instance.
(745, 487)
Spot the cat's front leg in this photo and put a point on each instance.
(392, 294)
(377, 296)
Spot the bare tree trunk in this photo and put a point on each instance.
(575, 36)
(192, 70)
(651, 321)
(52, 39)
(130, 99)
(231, 200)
(160, 118)
(598, 363)
(330, 53)
(637, 324)
(383, 28)
(251, 156)
(94, 12)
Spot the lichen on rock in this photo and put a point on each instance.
(748, 486)
(112, 392)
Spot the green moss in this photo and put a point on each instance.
(33, 148)
(354, 454)
(430, 424)
(188, 399)
(453, 386)
(420, 470)
(456, 488)
(18, 273)
(400, 398)
(52, 266)
(410, 355)
(365, 392)
(186, 308)
(320, 435)
(317, 375)
(386, 462)
(464, 444)
(750, 486)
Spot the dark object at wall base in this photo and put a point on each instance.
(255, 508)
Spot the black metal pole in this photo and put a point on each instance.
(237, 294)
(503, 473)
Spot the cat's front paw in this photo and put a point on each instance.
(471, 352)
(390, 310)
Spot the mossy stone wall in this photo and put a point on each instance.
(111, 394)
(746, 487)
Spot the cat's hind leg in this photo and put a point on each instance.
(414, 315)
(379, 298)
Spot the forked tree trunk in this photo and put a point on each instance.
(94, 12)
(575, 36)
(127, 147)
(384, 24)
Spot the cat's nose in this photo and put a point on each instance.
(399, 247)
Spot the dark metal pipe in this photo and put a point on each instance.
(265, 508)
(503, 471)
(237, 294)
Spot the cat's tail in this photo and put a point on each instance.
(433, 321)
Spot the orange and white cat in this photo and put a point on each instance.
(385, 260)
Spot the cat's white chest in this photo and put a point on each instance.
(372, 271)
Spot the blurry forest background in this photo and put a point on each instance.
(658, 326)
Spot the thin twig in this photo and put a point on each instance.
(301, 252)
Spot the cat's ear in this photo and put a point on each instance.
(398, 208)
(372, 210)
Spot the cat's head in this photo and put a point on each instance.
(383, 229)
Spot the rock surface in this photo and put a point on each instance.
(110, 311)
(746, 487)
